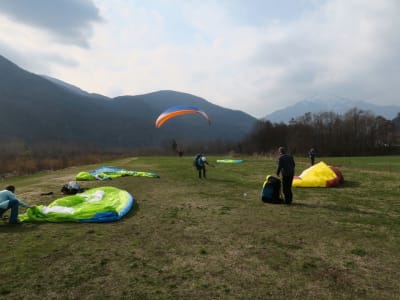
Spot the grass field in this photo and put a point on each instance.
(188, 238)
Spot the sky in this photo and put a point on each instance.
(256, 56)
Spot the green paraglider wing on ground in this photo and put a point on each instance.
(103, 204)
(107, 173)
(229, 161)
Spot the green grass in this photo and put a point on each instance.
(188, 238)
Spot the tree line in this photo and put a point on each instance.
(357, 132)
(354, 133)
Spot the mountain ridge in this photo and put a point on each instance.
(44, 109)
(337, 104)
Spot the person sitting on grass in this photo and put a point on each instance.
(8, 200)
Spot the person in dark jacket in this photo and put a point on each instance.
(286, 166)
(311, 155)
(200, 163)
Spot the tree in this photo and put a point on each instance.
(357, 132)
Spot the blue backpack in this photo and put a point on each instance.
(271, 190)
(198, 163)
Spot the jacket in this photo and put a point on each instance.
(6, 196)
(286, 165)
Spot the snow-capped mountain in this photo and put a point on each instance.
(336, 104)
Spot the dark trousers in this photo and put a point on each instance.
(202, 170)
(13, 204)
(287, 188)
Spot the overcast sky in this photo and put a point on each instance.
(252, 55)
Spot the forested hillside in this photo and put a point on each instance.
(40, 110)
(47, 123)
(356, 132)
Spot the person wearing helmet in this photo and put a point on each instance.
(200, 163)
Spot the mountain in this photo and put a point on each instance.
(339, 105)
(72, 88)
(44, 109)
(396, 122)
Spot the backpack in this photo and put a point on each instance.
(197, 161)
(71, 188)
(271, 190)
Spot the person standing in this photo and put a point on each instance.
(8, 200)
(286, 166)
(311, 155)
(200, 163)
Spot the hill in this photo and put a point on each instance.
(43, 109)
(396, 121)
(326, 103)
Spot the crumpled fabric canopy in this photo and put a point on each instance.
(107, 173)
(229, 161)
(103, 204)
(319, 175)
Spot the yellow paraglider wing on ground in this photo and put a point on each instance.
(318, 175)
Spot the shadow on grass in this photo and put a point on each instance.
(350, 184)
(133, 212)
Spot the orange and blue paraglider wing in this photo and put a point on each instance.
(179, 110)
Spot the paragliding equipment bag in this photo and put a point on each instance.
(71, 188)
(271, 190)
(197, 162)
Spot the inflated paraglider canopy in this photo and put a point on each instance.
(107, 173)
(319, 175)
(177, 111)
(103, 204)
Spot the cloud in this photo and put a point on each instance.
(339, 48)
(68, 21)
(35, 59)
(258, 65)
(257, 58)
